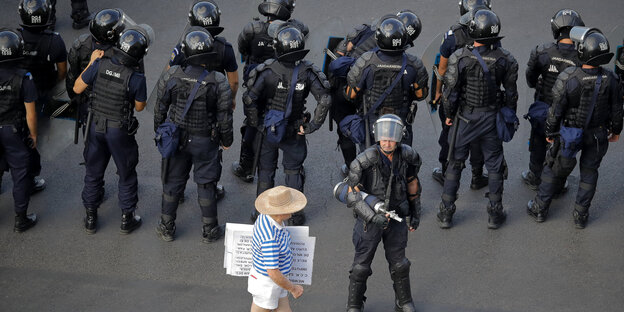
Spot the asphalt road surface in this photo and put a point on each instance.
(524, 266)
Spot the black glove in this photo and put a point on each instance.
(380, 220)
(414, 219)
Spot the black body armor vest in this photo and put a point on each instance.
(559, 60)
(36, 60)
(579, 101)
(261, 44)
(110, 99)
(202, 114)
(383, 76)
(477, 91)
(12, 110)
(280, 81)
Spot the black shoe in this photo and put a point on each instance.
(298, 218)
(438, 175)
(166, 228)
(344, 171)
(538, 213)
(90, 221)
(39, 185)
(244, 174)
(580, 219)
(212, 232)
(479, 180)
(24, 221)
(129, 222)
(496, 216)
(220, 193)
(408, 307)
(531, 180)
(445, 216)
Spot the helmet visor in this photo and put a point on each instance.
(387, 129)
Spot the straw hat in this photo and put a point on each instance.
(280, 200)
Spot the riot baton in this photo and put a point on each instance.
(451, 151)
(77, 125)
(254, 166)
(367, 140)
(89, 119)
(165, 170)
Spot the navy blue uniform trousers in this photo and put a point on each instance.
(295, 151)
(366, 238)
(18, 158)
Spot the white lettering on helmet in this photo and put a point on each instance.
(494, 29)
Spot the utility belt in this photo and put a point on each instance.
(102, 124)
(481, 109)
(211, 132)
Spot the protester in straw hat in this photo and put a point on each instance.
(272, 258)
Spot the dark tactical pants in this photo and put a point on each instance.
(204, 156)
(18, 158)
(537, 149)
(481, 131)
(247, 150)
(594, 147)
(476, 155)
(295, 151)
(366, 238)
(100, 146)
(339, 110)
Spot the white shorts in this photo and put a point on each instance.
(266, 294)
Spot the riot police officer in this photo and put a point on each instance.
(206, 128)
(457, 37)
(207, 14)
(387, 170)
(45, 57)
(18, 124)
(388, 79)
(352, 47)
(586, 112)
(118, 89)
(104, 31)
(619, 64)
(256, 46)
(284, 84)
(473, 80)
(545, 64)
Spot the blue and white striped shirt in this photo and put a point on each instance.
(270, 246)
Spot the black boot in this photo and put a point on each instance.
(298, 218)
(479, 180)
(39, 184)
(445, 216)
(80, 14)
(243, 171)
(531, 179)
(438, 175)
(399, 273)
(211, 231)
(537, 211)
(166, 228)
(580, 218)
(220, 192)
(90, 220)
(496, 215)
(129, 222)
(357, 287)
(24, 221)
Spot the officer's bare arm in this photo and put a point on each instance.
(352, 92)
(80, 85)
(232, 78)
(31, 120)
(139, 106)
(61, 71)
(441, 70)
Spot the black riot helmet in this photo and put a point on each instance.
(133, 43)
(276, 26)
(289, 45)
(197, 46)
(592, 46)
(35, 12)
(389, 127)
(11, 45)
(485, 27)
(466, 6)
(391, 34)
(277, 9)
(106, 26)
(206, 14)
(412, 24)
(563, 21)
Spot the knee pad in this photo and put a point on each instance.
(360, 273)
(170, 198)
(400, 268)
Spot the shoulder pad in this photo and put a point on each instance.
(219, 77)
(355, 72)
(566, 73)
(454, 28)
(363, 161)
(80, 41)
(458, 54)
(253, 75)
(223, 41)
(544, 46)
(171, 71)
(414, 60)
(355, 31)
(319, 74)
(258, 26)
(410, 155)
